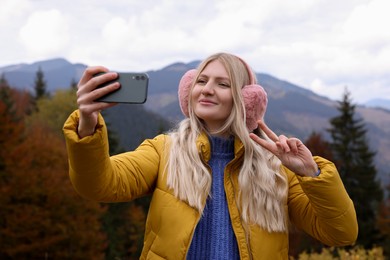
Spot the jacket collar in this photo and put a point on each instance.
(204, 149)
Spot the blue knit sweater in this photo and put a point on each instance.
(214, 237)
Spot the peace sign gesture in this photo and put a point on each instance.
(291, 151)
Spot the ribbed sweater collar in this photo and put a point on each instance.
(221, 145)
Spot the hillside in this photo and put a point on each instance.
(133, 124)
(59, 73)
(292, 110)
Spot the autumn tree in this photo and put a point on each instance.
(319, 146)
(10, 122)
(55, 110)
(124, 225)
(354, 160)
(384, 222)
(41, 215)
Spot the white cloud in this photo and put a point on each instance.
(367, 24)
(361, 49)
(116, 33)
(45, 32)
(316, 44)
(12, 14)
(11, 10)
(334, 91)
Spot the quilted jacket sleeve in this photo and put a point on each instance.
(97, 176)
(321, 206)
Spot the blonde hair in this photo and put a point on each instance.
(263, 188)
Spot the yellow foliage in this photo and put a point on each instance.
(53, 111)
(356, 253)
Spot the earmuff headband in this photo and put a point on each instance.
(254, 96)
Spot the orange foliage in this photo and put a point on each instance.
(41, 215)
(383, 221)
(318, 146)
(137, 217)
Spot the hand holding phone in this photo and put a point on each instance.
(133, 90)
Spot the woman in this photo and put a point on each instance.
(224, 185)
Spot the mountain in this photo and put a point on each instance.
(59, 73)
(133, 124)
(292, 110)
(379, 103)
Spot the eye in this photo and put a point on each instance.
(201, 81)
(224, 84)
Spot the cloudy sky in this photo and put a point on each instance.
(321, 45)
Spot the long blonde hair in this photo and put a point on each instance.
(263, 188)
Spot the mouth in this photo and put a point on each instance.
(206, 102)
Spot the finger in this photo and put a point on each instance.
(271, 135)
(100, 92)
(90, 72)
(85, 96)
(103, 81)
(94, 82)
(293, 143)
(94, 107)
(100, 80)
(264, 143)
(282, 143)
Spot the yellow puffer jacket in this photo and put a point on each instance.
(320, 206)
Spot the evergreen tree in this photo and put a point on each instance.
(40, 85)
(3, 81)
(73, 84)
(354, 160)
(6, 96)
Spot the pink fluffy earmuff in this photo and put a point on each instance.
(255, 97)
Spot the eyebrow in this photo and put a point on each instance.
(218, 78)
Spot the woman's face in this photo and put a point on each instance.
(212, 98)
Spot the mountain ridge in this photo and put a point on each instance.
(292, 110)
(378, 103)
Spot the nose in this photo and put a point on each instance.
(208, 89)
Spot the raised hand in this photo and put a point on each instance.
(87, 94)
(291, 151)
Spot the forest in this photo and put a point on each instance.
(42, 217)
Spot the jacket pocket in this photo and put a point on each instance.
(148, 242)
(152, 256)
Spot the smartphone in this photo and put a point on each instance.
(133, 90)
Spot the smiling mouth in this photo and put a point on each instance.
(206, 102)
